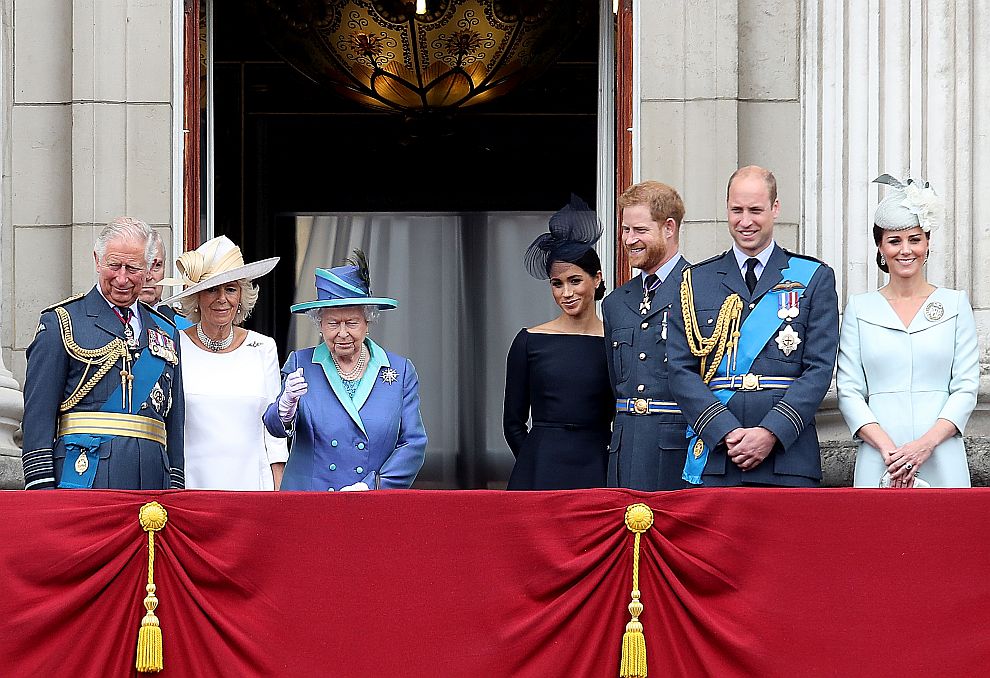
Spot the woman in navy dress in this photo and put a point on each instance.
(556, 371)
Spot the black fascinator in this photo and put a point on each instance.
(573, 231)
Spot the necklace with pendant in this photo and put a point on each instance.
(213, 344)
(351, 375)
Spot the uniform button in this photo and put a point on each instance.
(615, 344)
(360, 446)
(752, 306)
(333, 443)
(333, 467)
(641, 388)
(359, 469)
(642, 356)
(645, 325)
(144, 406)
(711, 320)
(665, 359)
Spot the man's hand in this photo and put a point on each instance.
(748, 447)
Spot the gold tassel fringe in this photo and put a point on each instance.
(149, 645)
(639, 518)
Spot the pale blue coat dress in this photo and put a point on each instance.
(905, 379)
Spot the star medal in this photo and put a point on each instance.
(644, 306)
(934, 311)
(157, 398)
(788, 340)
(82, 463)
(129, 336)
(389, 376)
(789, 305)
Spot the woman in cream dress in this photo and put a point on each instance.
(908, 368)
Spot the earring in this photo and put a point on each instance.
(883, 260)
(926, 256)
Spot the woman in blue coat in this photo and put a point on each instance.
(351, 407)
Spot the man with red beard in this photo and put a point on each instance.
(753, 350)
(648, 437)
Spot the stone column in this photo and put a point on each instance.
(898, 87)
(11, 400)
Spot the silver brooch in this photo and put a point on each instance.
(934, 311)
(389, 376)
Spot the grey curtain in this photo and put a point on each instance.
(463, 294)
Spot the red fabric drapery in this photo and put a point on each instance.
(487, 584)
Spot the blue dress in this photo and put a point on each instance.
(377, 437)
(563, 380)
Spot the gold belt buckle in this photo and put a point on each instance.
(641, 406)
(750, 382)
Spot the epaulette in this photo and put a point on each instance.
(802, 256)
(708, 260)
(158, 313)
(74, 297)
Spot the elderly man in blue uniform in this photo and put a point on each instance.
(647, 450)
(753, 351)
(103, 401)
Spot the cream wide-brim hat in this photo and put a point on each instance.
(215, 262)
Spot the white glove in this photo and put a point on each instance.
(295, 388)
(356, 487)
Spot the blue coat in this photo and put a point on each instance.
(647, 452)
(377, 438)
(789, 414)
(52, 377)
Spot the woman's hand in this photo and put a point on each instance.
(295, 388)
(906, 460)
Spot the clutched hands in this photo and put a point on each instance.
(295, 388)
(359, 486)
(748, 447)
(904, 462)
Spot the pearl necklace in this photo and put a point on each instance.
(354, 373)
(213, 344)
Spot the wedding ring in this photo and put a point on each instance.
(909, 466)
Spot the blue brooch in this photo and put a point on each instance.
(389, 376)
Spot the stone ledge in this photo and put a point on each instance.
(839, 459)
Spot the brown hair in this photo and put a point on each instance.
(664, 202)
(768, 178)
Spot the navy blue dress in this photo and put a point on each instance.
(563, 380)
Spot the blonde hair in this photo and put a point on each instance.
(189, 306)
(664, 202)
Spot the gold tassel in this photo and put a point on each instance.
(149, 645)
(639, 518)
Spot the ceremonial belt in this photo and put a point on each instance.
(641, 406)
(749, 382)
(112, 424)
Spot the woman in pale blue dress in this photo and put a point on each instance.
(908, 369)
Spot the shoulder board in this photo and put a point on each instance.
(157, 313)
(802, 256)
(709, 260)
(64, 302)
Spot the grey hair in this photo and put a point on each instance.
(156, 244)
(371, 314)
(189, 306)
(131, 229)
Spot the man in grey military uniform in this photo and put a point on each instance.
(648, 436)
(752, 353)
(103, 400)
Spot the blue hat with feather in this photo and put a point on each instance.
(348, 285)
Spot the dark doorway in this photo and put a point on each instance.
(284, 145)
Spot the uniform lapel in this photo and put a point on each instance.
(771, 275)
(632, 293)
(97, 307)
(731, 277)
(147, 323)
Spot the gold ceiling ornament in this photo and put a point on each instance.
(152, 517)
(420, 55)
(638, 519)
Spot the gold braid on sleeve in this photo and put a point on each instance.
(104, 357)
(725, 336)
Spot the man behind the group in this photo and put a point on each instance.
(757, 356)
(151, 293)
(103, 400)
(647, 450)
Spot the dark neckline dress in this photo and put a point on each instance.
(562, 379)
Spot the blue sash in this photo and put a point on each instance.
(755, 332)
(147, 370)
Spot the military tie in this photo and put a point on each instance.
(650, 285)
(751, 273)
(124, 313)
